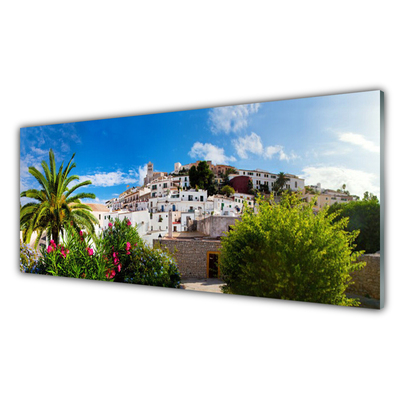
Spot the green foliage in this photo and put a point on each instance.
(119, 238)
(118, 254)
(264, 188)
(80, 255)
(153, 267)
(250, 188)
(55, 205)
(227, 190)
(284, 251)
(279, 185)
(202, 177)
(135, 262)
(363, 216)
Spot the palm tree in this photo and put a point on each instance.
(55, 204)
(280, 183)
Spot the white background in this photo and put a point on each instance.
(76, 60)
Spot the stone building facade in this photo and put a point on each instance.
(192, 255)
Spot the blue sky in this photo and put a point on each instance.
(328, 139)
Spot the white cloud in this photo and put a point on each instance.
(248, 144)
(106, 179)
(231, 118)
(253, 144)
(359, 140)
(142, 173)
(26, 180)
(208, 151)
(357, 182)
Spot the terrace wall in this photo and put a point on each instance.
(190, 254)
(367, 280)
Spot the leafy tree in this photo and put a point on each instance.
(250, 188)
(343, 190)
(369, 196)
(55, 205)
(227, 190)
(264, 188)
(284, 251)
(363, 216)
(202, 177)
(279, 185)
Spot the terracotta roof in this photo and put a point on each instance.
(97, 207)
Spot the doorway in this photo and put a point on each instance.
(212, 264)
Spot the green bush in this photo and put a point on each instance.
(135, 262)
(117, 254)
(364, 216)
(118, 239)
(81, 255)
(153, 267)
(284, 251)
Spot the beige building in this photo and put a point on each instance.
(327, 197)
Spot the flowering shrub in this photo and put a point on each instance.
(118, 240)
(118, 254)
(29, 259)
(153, 267)
(135, 262)
(79, 256)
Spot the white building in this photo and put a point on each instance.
(135, 199)
(162, 186)
(240, 199)
(159, 222)
(260, 177)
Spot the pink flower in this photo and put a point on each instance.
(67, 251)
(128, 252)
(128, 246)
(63, 254)
(110, 274)
(135, 244)
(116, 261)
(114, 255)
(81, 233)
(110, 224)
(49, 249)
(119, 268)
(129, 223)
(90, 251)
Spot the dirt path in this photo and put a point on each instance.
(203, 285)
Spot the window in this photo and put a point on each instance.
(201, 198)
(154, 187)
(165, 185)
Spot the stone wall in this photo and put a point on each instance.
(215, 225)
(367, 280)
(190, 254)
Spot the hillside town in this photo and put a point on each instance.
(166, 205)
